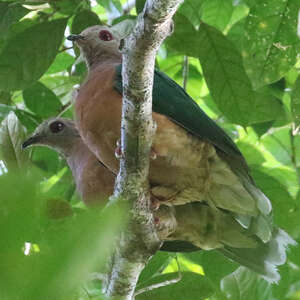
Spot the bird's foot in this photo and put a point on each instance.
(155, 203)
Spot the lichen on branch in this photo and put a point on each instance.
(139, 241)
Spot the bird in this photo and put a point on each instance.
(196, 161)
(94, 181)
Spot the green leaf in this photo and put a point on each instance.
(282, 201)
(228, 83)
(271, 43)
(156, 264)
(66, 7)
(5, 97)
(214, 264)
(295, 102)
(191, 286)
(41, 100)
(245, 284)
(12, 135)
(217, 13)
(139, 5)
(84, 19)
(61, 63)
(10, 13)
(29, 120)
(192, 10)
(29, 53)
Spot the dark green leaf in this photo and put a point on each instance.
(41, 100)
(191, 286)
(84, 19)
(139, 4)
(217, 13)
(29, 53)
(10, 13)
(262, 128)
(295, 102)
(228, 83)
(5, 98)
(271, 43)
(12, 135)
(245, 284)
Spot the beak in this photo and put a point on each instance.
(30, 141)
(75, 37)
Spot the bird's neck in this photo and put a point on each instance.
(96, 59)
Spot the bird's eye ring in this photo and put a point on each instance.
(105, 35)
(56, 126)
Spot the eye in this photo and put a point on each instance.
(56, 126)
(105, 35)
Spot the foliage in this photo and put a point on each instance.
(237, 58)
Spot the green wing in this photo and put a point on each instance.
(171, 100)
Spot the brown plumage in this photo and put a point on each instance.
(94, 182)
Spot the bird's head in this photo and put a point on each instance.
(99, 42)
(57, 133)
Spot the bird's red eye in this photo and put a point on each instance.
(105, 35)
(56, 126)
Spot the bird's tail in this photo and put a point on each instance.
(265, 258)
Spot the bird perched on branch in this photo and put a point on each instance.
(94, 182)
(195, 161)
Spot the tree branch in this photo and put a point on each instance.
(139, 241)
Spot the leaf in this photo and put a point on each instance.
(61, 63)
(217, 13)
(192, 10)
(10, 13)
(29, 53)
(245, 284)
(12, 135)
(139, 5)
(295, 102)
(5, 98)
(215, 265)
(157, 262)
(228, 83)
(66, 7)
(41, 100)
(282, 201)
(29, 120)
(84, 19)
(271, 44)
(191, 286)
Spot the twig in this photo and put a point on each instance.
(161, 284)
(64, 49)
(185, 71)
(139, 241)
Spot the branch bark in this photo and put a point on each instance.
(139, 241)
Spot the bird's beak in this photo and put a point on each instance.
(30, 141)
(75, 37)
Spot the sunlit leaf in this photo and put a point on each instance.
(217, 13)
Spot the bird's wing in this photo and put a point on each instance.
(171, 100)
